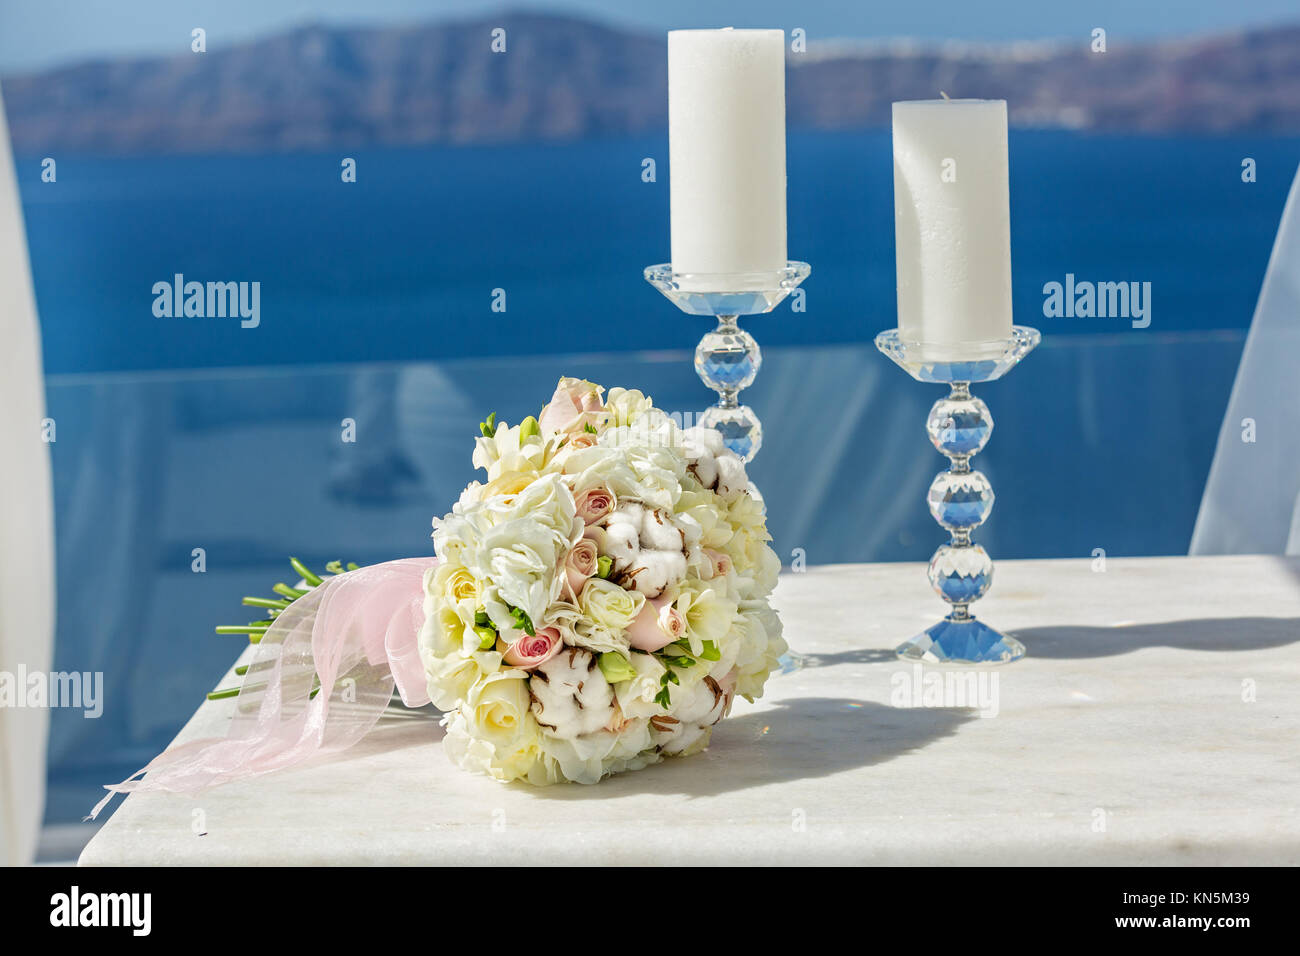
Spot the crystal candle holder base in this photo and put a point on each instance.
(961, 498)
(727, 358)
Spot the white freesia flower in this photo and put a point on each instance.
(629, 407)
(636, 697)
(710, 613)
(509, 451)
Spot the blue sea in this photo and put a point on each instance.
(402, 264)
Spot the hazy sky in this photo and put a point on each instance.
(36, 33)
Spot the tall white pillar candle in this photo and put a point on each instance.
(726, 150)
(952, 221)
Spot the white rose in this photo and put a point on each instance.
(493, 732)
(760, 648)
(608, 605)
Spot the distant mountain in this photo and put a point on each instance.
(562, 78)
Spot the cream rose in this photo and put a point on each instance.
(608, 605)
(594, 504)
(575, 404)
(579, 565)
(657, 626)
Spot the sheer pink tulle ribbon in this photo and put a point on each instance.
(355, 637)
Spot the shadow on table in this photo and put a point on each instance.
(800, 739)
(1202, 634)
(795, 661)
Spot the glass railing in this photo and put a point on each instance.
(1099, 443)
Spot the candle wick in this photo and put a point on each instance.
(944, 95)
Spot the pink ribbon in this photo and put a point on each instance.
(354, 637)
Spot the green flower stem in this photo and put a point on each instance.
(266, 602)
(225, 693)
(306, 573)
(241, 629)
(291, 593)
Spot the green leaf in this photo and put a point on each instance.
(489, 427)
(522, 621)
(615, 667)
(711, 652)
(589, 428)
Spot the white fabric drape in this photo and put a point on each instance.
(26, 528)
(1252, 498)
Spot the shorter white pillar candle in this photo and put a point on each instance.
(952, 221)
(726, 150)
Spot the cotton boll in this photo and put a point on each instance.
(659, 533)
(710, 438)
(700, 462)
(629, 512)
(621, 543)
(654, 571)
(675, 738)
(732, 480)
(570, 695)
(702, 702)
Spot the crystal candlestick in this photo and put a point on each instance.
(960, 498)
(728, 358)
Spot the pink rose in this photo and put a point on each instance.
(594, 503)
(658, 625)
(580, 564)
(528, 652)
(575, 404)
(720, 560)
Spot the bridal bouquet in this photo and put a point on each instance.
(595, 606)
(600, 600)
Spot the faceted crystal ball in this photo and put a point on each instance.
(960, 500)
(739, 427)
(959, 426)
(727, 359)
(961, 573)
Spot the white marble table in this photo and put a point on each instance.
(1156, 720)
